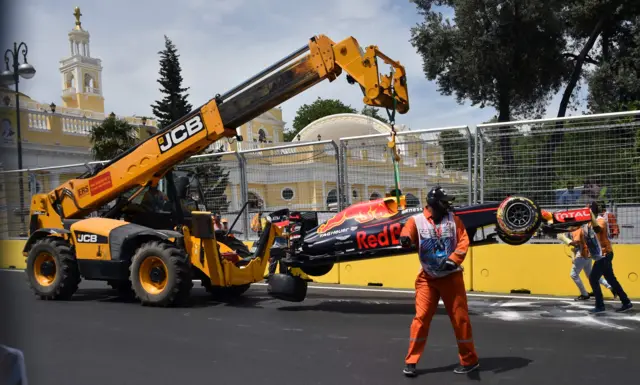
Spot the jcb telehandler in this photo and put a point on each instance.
(99, 227)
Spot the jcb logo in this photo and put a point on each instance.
(84, 237)
(87, 238)
(82, 191)
(179, 134)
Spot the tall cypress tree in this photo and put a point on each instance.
(173, 106)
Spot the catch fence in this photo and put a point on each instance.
(560, 163)
(441, 156)
(566, 163)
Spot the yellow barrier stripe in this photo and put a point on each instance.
(541, 269)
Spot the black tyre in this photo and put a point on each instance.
(52, 269)
(160, 274)
(513, 241)
(318, 270)
(518, 217)
(287, 287)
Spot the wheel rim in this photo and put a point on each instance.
(518, 215)
(44, 269)
(153, 275)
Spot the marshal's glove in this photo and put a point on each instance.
(448, 265)
(405, 241)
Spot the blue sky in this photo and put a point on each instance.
(221, 43)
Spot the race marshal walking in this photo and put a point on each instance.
(442, 247)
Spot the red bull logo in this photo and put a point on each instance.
(361, 213)
(389, 236)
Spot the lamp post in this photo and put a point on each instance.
(12, 75)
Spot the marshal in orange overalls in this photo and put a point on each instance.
(447, 239)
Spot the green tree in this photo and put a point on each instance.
(455, 146)
(308, 113)
(112, 137)
(504, 54)
(174, 104)
(373, 112)
(615, 85)
(593, 30)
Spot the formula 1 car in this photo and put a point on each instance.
(372, 230)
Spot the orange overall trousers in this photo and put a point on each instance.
(432, 286)
(452, 291)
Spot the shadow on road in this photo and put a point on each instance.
(198, 299)
(358, 307)
(489, 364)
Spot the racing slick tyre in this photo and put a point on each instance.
(518, 217)
(52, 269)
(513, 241)
(160, 274)
(318, 270)
(287, 287)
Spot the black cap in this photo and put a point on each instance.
(438, 194)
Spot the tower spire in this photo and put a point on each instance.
(77, 14)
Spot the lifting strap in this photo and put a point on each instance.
(392, 145)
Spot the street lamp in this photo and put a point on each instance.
(53, 107)
(8, 76)
(25, 70)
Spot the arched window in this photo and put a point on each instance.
(262, 136)
(332, 197)
(255, 202)
(89, 83)
(374, 196)
(71, 80)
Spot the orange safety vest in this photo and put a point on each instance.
(612, 224)
(255, 223)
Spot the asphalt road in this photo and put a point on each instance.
(334, 337)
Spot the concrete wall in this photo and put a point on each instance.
(540, 269)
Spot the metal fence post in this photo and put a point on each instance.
(475, 168)
(339, 171)
(469, 166)
(343, 200)
(244, 192)
(481, 155)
